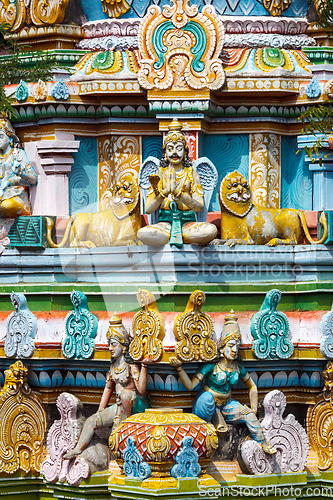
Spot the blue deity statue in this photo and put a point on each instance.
(16, 173)
(214, 402)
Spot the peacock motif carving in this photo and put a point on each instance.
(286, 435)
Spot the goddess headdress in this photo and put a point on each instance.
(117, 330)
(231, 329)
(6, 126)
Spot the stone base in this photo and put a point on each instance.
(142, 265)
(164, 488)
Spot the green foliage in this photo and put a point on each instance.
(12, 70)
(318, 119)
(324, 14)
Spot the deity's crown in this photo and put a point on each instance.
(117, 330)
(231, 329)
(175, 133)
(5, 125)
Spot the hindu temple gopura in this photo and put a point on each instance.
(166, 252)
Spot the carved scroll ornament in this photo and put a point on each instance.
(22, 423)
(81, 329)
(319, 421)
(41, 12)
(21, 328)
(180, 47)
(270, 330)
(194, 331)
(148, 329)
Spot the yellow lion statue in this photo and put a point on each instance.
(244, 223)
(117, 226)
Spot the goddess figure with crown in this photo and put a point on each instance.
(126, 379)
(214, 402)
(16, 173)
(177, 193)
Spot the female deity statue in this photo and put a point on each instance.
(128, 381)
(214, 402)
(177, 193)
(16, 173)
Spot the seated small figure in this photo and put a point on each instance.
(214, 402)
(16, 173)
(177, 193)
(128, 381)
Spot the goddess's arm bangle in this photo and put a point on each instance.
(199, 376)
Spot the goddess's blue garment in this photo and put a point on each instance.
(221, 382)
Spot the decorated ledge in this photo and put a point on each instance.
(108, 27)
(102, 87)
(263, 24)
(40, 31)
(280, 62)
(63, 57)
(43, 92)
(50, 330)
(232, 24)
(275, 40)
(107, 65)
(47, 37)
(138, 265)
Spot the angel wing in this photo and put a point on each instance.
(149, 167)
(208, 179)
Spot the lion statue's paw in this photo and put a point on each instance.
(216, 241)
(232, 242)
(272, 243)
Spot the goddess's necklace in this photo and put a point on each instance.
(121, 369)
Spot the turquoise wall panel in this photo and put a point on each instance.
(228, 152)
(83, 179)
(298, 8)
(93, 10)
(296, 179)
(152, 146)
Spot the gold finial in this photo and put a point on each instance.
(231, 329)
(115, 320)
(175, 134)
(175, 126)
(117, 330)
(230, 317)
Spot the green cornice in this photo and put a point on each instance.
(63, 57)
(219, 297)
(319, 55)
